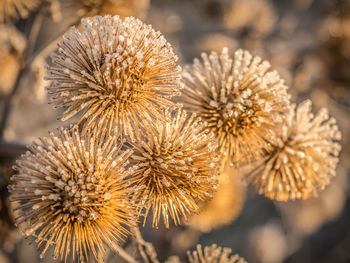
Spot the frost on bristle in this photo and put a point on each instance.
(119, 71)
(241, 101)
(177, 165)
(303, 161)
(74, 182)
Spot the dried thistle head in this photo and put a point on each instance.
(303, 160)
(239, 99)
(176, 167)
(227, 202)
(71, 192)
(14, 9)
(213, 254)
(119, 71)
(123, 8)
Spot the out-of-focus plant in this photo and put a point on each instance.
(227, 202)
(14, 9)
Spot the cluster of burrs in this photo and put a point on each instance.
(133, 150)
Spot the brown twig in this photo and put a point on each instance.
(47, 48)
(8, 103)
(32, 36)
(26, 60)
(122, 253)
(146, 249)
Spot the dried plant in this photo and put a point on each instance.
(239, 99)
(257, 16)
(71, 192)
(12, 45)
(133, 152)
(227, 202)
(9, 67)
(268, 243)
(123, 8)
(303, 160)
(336, 27)
(305, 217)
(119, 71)
(176, 167)
(213, 254)
(14, 9)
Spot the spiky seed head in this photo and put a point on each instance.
(176, 167)
(70, 191)
(14, 9)
(213, 254)
(227, 202)
(119, 71)
(303, 160)
(240, 100)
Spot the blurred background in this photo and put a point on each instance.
(307, 41)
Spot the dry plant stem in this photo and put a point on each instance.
(7, 107)
(122, 253)
(28, 58)
(32, 36)
(34, 32)
(144, 247)
(47, 48)
(141, 243)
(102, 257)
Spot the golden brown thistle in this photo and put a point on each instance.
(303, 160)
(123, 8)
(227, 202)
(239, 99)
(14, 9)
(213, 254)
(119, 71)
(71, 192)
(176, 167)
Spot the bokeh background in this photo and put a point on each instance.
(307, 41)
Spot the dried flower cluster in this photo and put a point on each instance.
(303, 160)
(71, 192)
(133, 152)
(176, 167)
(239, 99)
(119, 71)
(227, 202)
(13, 9)
(214, 254)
